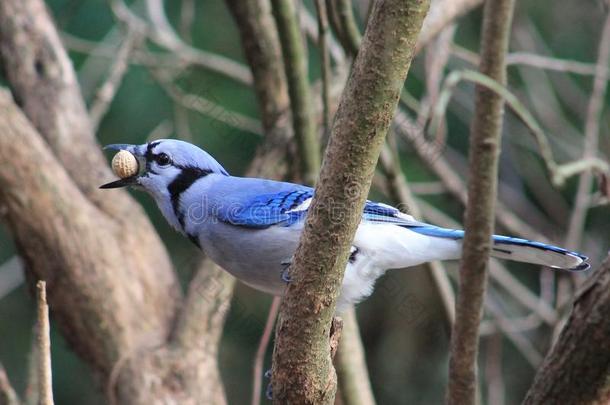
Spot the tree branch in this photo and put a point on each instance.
(45, 381)
(262, 49)
(302, 369)
(323, 36)
(295, 66)
(592, 123)
(443, 13)
(352, 373)
(582, 351)
(479, 217)
(106, 92)
(8, 396)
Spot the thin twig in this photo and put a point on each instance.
(437, 56)
(45, 384)
(498, 273)
(399, 190)
(206, 106)
(187, 17)
(106, 92)
(559, 173)
(259, 358)
(592, 123)
(8, 396)
(430, 154)
(325, 64)
(309, 24)
(533, 60)
(493, 370)
(443, 13)
(516, 324)
(162, 34)
(524, 346)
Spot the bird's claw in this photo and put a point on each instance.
(286, 271)
(286, 277)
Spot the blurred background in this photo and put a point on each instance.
(402, 324)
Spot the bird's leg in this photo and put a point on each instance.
(269, 390)
(286, 270)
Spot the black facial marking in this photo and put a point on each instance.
(181, 183)
(149, 150)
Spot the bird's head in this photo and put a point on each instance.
(163, 165)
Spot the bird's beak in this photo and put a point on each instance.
(129, 181)
(120, 146)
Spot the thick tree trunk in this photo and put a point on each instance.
(111, 285)
(577, 369)
(302, 369)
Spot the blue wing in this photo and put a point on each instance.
(254, 205)
(264, 210)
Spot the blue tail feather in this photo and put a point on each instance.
(455, 234)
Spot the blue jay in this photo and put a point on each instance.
(251, 227)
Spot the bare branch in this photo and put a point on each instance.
(106, 92)
(479, 217)
(161, 32)
(325, 63)
(430, 155)
(443, 13)
(352, 374)
(8, 396)
(302, 370)
(45, 382)
(493, 370)
(558, 173)
(533, 60)
(401, 194)
(264, 55)
(263, 344)
(295, 64)
(592, 123)
(206, 106)
(344, 24)
(498, 273)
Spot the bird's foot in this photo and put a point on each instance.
(269, 390)
(286, 277)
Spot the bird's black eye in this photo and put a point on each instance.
(163, 159)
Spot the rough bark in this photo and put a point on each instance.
(479, 217)
(302, 369)
(577, 369)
